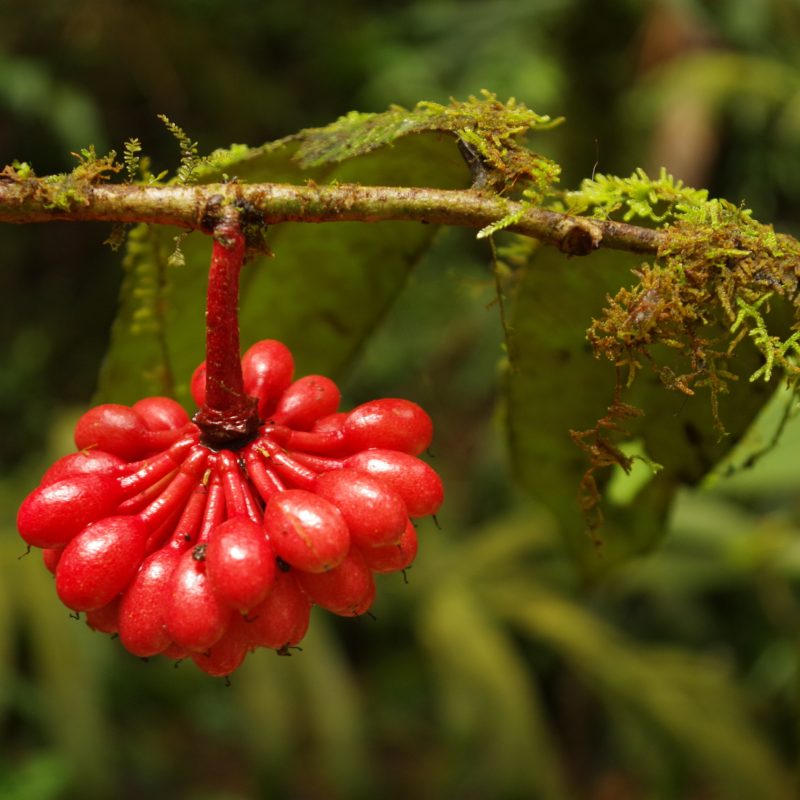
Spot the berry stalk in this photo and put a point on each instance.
(228, 416)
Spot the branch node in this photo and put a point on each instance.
(577, 237)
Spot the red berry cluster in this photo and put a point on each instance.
(186, 549)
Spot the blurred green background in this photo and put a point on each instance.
(495, 672)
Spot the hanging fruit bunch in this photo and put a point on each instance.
(212, 536)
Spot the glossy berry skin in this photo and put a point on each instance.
(393, 557)
(227, 654)
(142, 614)
(161, 413)
(84, 462)
(374, 513)
(267, 370)
(347, 590)
(123, 432)
(114, 429)
(307, 400)
(106, 618)
(53, 514)
(281, 619)
(240, 563)
(388, 424)
(416, 482)
(306, 530)
(50, 557)
(100, 562)
(197, 385)
(195, 544)
(195, 618)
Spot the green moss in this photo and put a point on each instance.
(659, 199)
(132, 159)
(66, 191)
(487, 130)
(190, 160)
(720, 279)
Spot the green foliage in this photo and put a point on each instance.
(659, 200)
(488, 130)
(719, 278)
(92, 168)
(131, 158)
(321, 294)
(716, 269)
(690, 699)
(494, 672)
(775, 351)
(66, 191)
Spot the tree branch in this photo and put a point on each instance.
(201, 206)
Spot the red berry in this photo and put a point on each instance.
(198, 385)
(331, 423)
(374, 513)
(210, 537)
(106, 618)
(346, 590)
(175, 652)
(326, 437)
(100, 562)
(267, 369)
(393, 557)
(226, 655)
(389, 424)
(142, 616)
(84, 462)
(281, 619)
(51, 556)
(306, 531)
(195, 618)
(52, 515)
(307, 400)
(161, 413)
(115, 429)
(416, 482)
(123, 432)
(240, 563)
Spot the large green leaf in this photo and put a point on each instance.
(685, 699)
(325, 289)
(556, 385)
(489, 705)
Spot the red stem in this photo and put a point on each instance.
(267, 483)
(232, 483)
(287, 468)
(228, 417)
(171, 501)
(215, 510)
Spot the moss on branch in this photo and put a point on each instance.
(32, 199)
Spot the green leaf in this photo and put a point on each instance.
(556, 385)
(67, 658)
(324, 291)
(490, 708)
(8, 561)
(43, 776)
(338, 720)
(313, 695)
(266, 693)
(689, 699)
